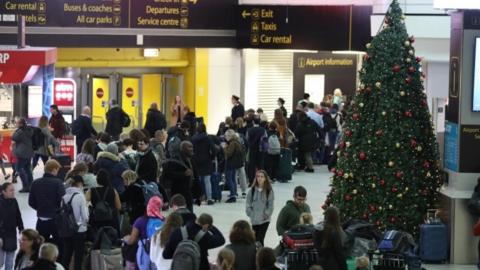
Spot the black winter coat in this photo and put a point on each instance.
(115, 166)
(238, 111)
(147, 167)
(83, 129)
(308, 134)
(116, 118)
(10, 220)
(204, 153)
(155, 121)
(293, 121)
(135, 201)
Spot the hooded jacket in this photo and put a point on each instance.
(23, 142)
(289, 216)
(79, 206)
(309, 135)
(155, 121)
(234, 154)
(115, 166)
(147, 166)
(116, 119)
(259, 206)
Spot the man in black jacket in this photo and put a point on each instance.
(82, 128)
(210, 238)
(309, 137)
(255, 155)
(147, 163)
(238, 110)
(155, 120)
(179, 174)
(117, 119)
(45, 197)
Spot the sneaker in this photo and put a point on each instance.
(309, 170)
(7, 176)
(231, 200)
(210, 202)
(244, 194)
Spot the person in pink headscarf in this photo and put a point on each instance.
(143, 230)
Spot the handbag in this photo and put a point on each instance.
(476, 228)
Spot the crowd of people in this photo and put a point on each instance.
(144, 183)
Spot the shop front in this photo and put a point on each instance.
(26, 88)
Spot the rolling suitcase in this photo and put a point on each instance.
(433, 242)
(285, 168)
(106, 259)
(65, 163)
(215, 179)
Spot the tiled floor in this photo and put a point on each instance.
(226, 214)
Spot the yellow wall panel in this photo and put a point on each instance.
(130, 103)
(201, 83)
(100, 105)
(151, 92)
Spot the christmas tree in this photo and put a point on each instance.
(388, 171)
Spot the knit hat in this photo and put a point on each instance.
(112, 148)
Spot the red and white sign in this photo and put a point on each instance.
(100, 93)
(64, 90)
(20, 65)
(67, 146)
(129, 92)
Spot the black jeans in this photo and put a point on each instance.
(74, 245)
(36, 157)
(255, 162)
(48, 230)
(271, 165)
(260, 231)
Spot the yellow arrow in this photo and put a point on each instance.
(245, 14)
(193, 1)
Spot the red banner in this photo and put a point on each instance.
(20, 65)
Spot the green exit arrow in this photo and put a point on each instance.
(245, 14)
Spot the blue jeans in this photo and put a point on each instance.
(206, 186)
(231, 182)
(25, 172)
(6, 258)
(332, 139)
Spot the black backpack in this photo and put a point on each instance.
(65, 219)
(102, 211)
(38, 138)
(329, 123)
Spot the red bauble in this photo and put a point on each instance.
(394, 189)
(366, 57)
(348, 197)
(324, 206)
(365, 216)
(426, 164)
(413, 143)
(411, 70)
(362, 156)
(333, 170)
(396, 68)
(373, 208)
(348, 133)
(369, 89)
(408, 80)
(411, 39)
(392, 220)
(378, 223)
(408, 114)
(340, 173)
(399, 174)
(379, 133)
(423, 75)
(356, 116)
(341, 145)
(382, 182)
(418, 59)
(424, 103)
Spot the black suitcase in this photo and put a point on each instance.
(285, 167)
(65, 163)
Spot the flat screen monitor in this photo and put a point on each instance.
(476, 77)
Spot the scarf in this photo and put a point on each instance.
(154, 207)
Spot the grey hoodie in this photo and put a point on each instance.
(79, 205)
(23, 142)
(259, 208)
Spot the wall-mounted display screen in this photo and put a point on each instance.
(476, 78)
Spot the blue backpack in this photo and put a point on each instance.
(143, 251)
